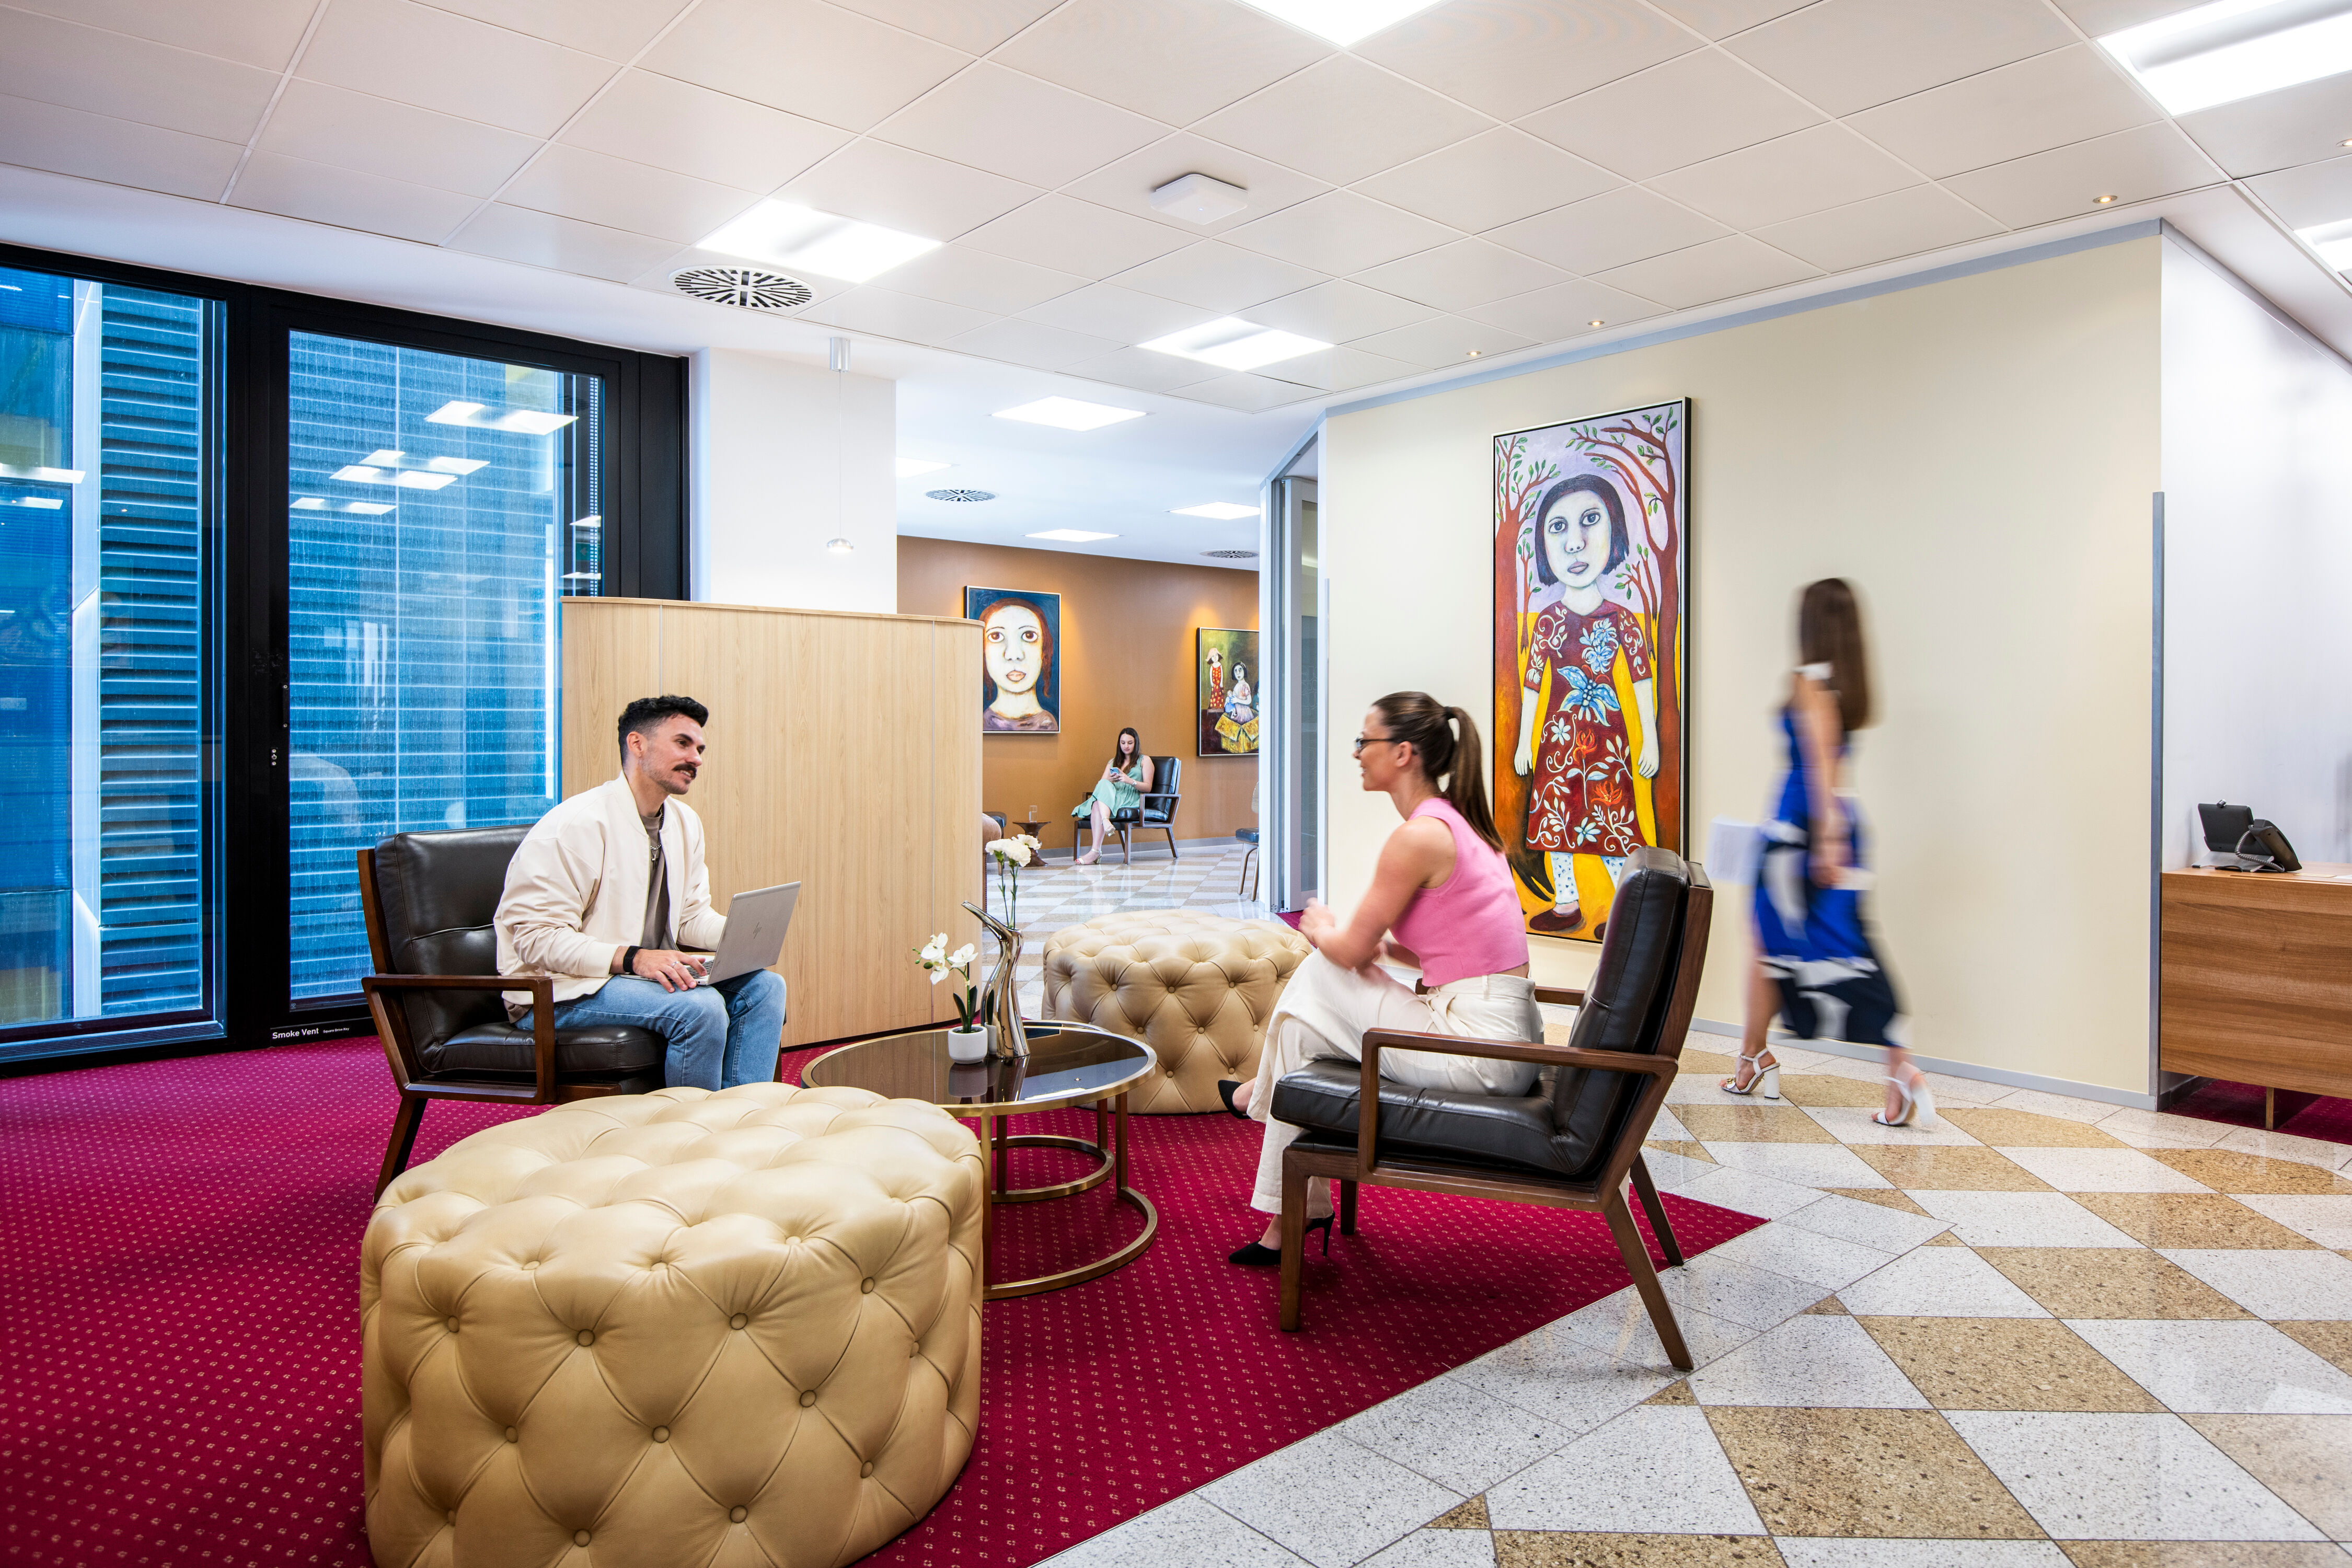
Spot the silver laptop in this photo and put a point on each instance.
(756, 923)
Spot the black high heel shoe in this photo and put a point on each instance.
(1256, 1256)
(1226, 1088)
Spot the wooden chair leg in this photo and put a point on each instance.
(1293, 1242)
(404, 1122)
(1172, 844)
(1648, 1191)
(1636, 1253)
(1346, 1208)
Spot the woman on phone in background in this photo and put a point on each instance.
(1124, 779)
(1815, 966)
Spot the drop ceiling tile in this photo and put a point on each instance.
(1823, 166)
(319, 192)
(573, 182)
(1338, 312)
(120, 152)
(1719, 269)
(974, 26)
(1721, 18)
(1488, 179)
(1340, 369)
(909, 191)
(1174, 60)
(1072, 235)
(805, 58)
(1701, 105)
(672, 125)
(2303, 124)
(2050, 100)
(254, 32)
(1442, 340)
(1127, 185)
(2312, 195)
(1341, 232)
(1847, 55)
(2131, 165)
(661, 274)
(1012, 124)
(1902, 223)
(980, 281)
(1466, 272)
(53, 61)
(1217, 276)
(1607, 230)
(566, 245)
(885, 312)
(398, 140)
(1032, 344)
(2100, 17)
(396, 48)
(615, 29)
(1341, 120)
(1249, 393)
(1565, 311)
(1509, 58)
(1145, 370)
(1122, 315)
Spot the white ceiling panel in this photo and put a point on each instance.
(398, 140)
(1338, 312)
(253, 32)
(672, 125)
(1721, 18)
(349, 199)
(396, 48)
(1823, 166)
(1072, 235)
(1847, 55)
(1607, 230)
(1565, 311)
(1903, 223)
(2099, 17)
(805, 58)
(1018, 126)
(573, 182)
(615, 29)
(1127, 185)
(1719, 269)
(891, 314)
(980, 281)
(2131, 165)
(1466, 272)
(1340, 369)
(1122, 315)
(2065, 96)
(1341, 120)
(1341, 232)
(2310, 196)
(1509, 58)
(1033, 344)
(1220, 278)
(909, 191)
(1250, 393)
(661, 274)
(1174, 60)
(974, 26)
(1493, 178)
(1701, 105)
(1145, 370)
(2276, 130)
(567, 245)
(120, 152)
(1442, 340)
(52, 62)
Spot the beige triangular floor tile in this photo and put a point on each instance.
(2203, 1555)
(1546, 1548)
(2109, 1282)
(2006, 1363)
(2024, 1128)
(1885, 1197)
(2330, 1339)
(2305, 1459)
(2235, 1171)
(1899, 1473)
(2199, 1220)
(1675, 1393)
(1470, 1515)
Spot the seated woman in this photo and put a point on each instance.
(1124, 779)
(1443, 889)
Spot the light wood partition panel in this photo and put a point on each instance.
(845, 754)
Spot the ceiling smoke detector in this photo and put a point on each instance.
(745, 288)
(962, 495)
(1230, 554)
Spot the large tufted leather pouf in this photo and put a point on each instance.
(738, 1329)
(1196, 987)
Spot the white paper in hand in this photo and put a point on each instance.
(1732, 848)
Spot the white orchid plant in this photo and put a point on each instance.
(1010, 855)
(934, 956)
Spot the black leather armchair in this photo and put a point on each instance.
(1571, 1146)
(1157, 808)
(430, 898)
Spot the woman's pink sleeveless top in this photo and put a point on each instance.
(1471, 923)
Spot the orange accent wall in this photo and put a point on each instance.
(1127, 654)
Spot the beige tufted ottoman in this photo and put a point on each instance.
(1196, 987)
(740, 1328)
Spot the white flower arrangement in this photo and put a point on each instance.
(1011, 854)
(934, 956)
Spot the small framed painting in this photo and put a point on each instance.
(1225, 666)
(1021, 671)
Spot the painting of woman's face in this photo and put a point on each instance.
(1020, 636)
(1015, 646)
(1576, 539)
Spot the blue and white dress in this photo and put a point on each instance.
(1813, 941)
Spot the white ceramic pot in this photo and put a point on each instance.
(968, 1045)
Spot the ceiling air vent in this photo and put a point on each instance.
(745, 288)
(1230, 554)
(962, 495)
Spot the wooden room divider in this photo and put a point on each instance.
(845, 754)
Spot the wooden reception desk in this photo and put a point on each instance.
(2256, 983)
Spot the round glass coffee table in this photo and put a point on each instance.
(1067, 1064)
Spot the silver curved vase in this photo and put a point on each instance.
(1003, 1001)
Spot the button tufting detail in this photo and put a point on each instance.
(586, 1338)
(737, 1320)
(808, 1397)
(513, 1435)
(738, 1514)
(661, 1434)
(866, 1285)
(865, 1469)
(453, 1325)
(579, 1538)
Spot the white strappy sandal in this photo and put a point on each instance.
(1918, 1105)
(1767, 1079)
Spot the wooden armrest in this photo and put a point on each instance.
(1559, 996)
(542, 1013)
(1375, 1040)
(1368, 1089)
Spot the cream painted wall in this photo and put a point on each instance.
(1978, 457)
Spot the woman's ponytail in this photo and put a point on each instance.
(1447, 742)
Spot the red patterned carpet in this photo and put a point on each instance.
(2241, 1105)
(181, 1343)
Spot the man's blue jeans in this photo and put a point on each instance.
(717, 1035)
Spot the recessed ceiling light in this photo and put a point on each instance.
(1199, 198)
(2333, 241)
(1471, 355)
(415, 479)
(457, 465)
(46, 503)
(1232, 343)
(480, 416)
(1223, 510)
(790, 235)
(1596, 322)
(1072, 535)
(309, 503)
(1342, 21)
(360, 473)
(2102, 201)
(2231, 49)
(368, 507)
(909, 467)
(1068, 413)
(381, 459)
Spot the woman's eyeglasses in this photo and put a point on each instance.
(1363, 740)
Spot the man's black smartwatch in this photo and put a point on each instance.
(629, 960)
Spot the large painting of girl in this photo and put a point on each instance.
(1020, 684)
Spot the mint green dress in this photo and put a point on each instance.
(1116, 798)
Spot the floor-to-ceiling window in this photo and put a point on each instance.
(1292, 603)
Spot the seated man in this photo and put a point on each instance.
(607, 887)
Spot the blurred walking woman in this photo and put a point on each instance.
(1815, 966)
(1442, 901)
